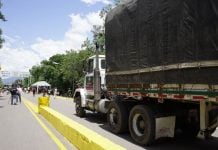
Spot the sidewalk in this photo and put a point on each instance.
(19, 129)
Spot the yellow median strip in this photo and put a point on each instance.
(32, 108)
(80, 136)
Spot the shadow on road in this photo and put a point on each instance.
(185, 144)
(96, 118)
(177, 143)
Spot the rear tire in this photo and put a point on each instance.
(142, 125)
(117, 117)
(80, 112)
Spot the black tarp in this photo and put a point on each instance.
(148, 33)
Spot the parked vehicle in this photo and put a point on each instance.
(161, 74)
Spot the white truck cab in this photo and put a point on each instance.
(89, 77)
(85, 97)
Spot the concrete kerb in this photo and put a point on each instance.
(77, 134)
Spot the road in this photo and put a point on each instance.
(20, 130)
(97, 123)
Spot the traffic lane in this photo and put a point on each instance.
(19, 130)
(97, 123)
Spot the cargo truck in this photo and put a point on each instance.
(161, 70)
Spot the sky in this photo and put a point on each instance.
(37, 29)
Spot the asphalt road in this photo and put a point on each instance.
(19, 129)
(97, 123)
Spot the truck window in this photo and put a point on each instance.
(90, 66)
(103, 64)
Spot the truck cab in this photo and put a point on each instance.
(89, 77)
(84, 98)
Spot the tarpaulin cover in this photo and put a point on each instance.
(148, 33)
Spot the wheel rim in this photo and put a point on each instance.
(138, 124)
(113, 116)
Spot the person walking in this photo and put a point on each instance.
(55, 92)
(19, 91)
(34, 91)
(14, 95)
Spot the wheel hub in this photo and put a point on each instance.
(113, 116)
(138, 124)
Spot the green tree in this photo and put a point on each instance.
(62, 71)
(48, 70)
(2, 17)
(26, 82)
(1, 83)
(74, 65)
(99, 36)
(88, 45)
(36, 73)
(18, 82)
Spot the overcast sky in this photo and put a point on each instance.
(38, 29)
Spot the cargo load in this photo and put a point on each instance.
(162, 41)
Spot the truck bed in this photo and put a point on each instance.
(163, 49)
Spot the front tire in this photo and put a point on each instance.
(117, 117)
(142, 125)
(80, 112)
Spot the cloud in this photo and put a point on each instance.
(81, 26)
(96, 1)
(17, 59)
(17, 56)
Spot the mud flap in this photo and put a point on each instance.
(165, 127)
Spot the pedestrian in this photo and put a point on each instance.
(44, 92)
(19, 91)
(28, 89)
(55, 92)
(49, 92)
(14, 95)
(34, 91)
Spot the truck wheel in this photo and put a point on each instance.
(79, 109)
(117, 117)
(142, 125)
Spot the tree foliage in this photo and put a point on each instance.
(62, 71)
(1, 83)
(2, 17)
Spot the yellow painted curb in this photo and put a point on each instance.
(80, 136)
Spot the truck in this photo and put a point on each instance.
(160, 74)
